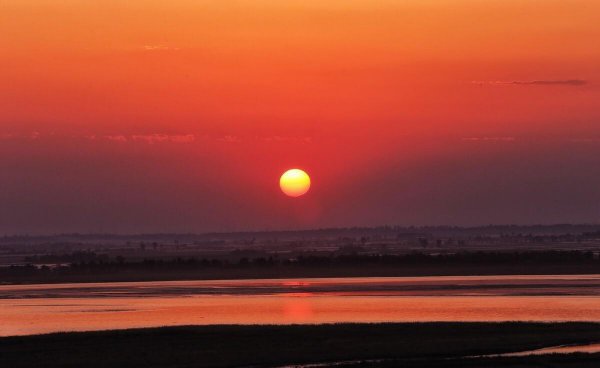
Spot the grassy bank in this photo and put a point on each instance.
(414, 344)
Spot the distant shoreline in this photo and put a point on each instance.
(102, 269)
(533, 228)
(303, 273)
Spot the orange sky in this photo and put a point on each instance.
(194, 109)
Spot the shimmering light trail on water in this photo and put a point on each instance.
(32, 309)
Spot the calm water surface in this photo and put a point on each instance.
(33, 309)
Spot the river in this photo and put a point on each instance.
(44, 308)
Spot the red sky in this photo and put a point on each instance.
(148, 116)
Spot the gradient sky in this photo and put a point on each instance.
(180, 115)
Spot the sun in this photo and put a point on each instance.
(294, 182)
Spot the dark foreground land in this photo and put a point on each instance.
(369, 345)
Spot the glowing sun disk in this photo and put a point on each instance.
(294, 182)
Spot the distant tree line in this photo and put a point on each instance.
(90, 263)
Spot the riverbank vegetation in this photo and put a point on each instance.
(93, 267)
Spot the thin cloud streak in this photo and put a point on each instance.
(159, 48)
(489, 139)
(156, 138)
(550, 82)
